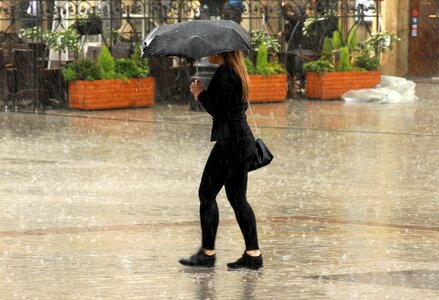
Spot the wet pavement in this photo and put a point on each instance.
(100, 205)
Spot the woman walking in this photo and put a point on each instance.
(226, 100)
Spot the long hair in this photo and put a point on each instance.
(235, 60)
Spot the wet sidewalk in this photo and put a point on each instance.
(100, 205)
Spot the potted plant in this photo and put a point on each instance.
(344, 64)
(268, 78)
(109, 83)
(379, 42)
(271, 43)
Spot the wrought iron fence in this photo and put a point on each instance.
(30, 73)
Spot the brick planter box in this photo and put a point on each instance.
(268, 88)
(114, 93)
(332, 85)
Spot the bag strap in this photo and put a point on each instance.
(251, 114)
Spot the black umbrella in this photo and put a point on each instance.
(196, 39)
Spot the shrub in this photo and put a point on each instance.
(106, 64)
(106, 67)
(83, 69)
(262, 65)
(368, 63)
(142, 63)
(380, 42)
(262, 38)
(377, 43)
(319, 66)
(338, 52)
(344, 63)
(327, 48)
(250, 66)
(262, 58)
(339, 39)
(127, 68)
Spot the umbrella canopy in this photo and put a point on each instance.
(196, 39)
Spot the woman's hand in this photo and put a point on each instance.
(196, 88)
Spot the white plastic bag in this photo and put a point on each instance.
(390, 90)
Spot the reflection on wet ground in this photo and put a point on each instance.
(100, 205)
(418, 279)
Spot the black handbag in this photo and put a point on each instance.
(262, 156)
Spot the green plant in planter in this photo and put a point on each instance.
(367, 62)
(337, 53)
(319, 66)
(344, 62)
(327, 49)
(374, 46)
(345, 53)
(106, 67)
(262, 65)
(340, 39)
(343, 46)
(263, 59)
(137, 65)
(270, 41)
(82, 69)
(129, 68)
(106, 64)
(380, 42)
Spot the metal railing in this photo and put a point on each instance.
(125, 23)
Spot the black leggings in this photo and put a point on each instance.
(227, 166)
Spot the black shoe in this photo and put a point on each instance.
(199, 259)
(247, 261)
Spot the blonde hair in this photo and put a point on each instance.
(235, 60)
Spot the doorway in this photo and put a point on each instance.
(424, 39)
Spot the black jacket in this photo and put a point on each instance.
(223, 101)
